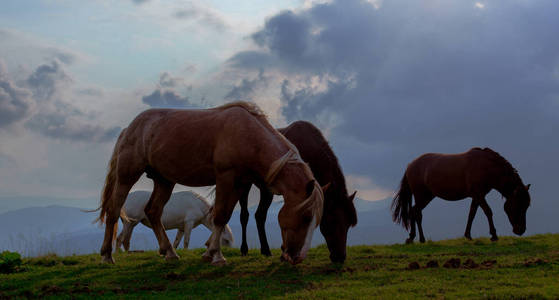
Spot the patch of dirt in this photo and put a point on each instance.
(174, 276)
(51, 289)
(470, 264)
(489, 263)
(80, 288)
(432, 264)
(452, 263)
(413, 266)
(535, 262)
(158, 288)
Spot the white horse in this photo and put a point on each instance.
(184, 211)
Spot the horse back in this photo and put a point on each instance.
(450, 176)
(188, 146)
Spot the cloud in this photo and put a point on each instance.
(15, 103)
(202, 15)
(47, 79)
(166, 94)
(165, 98)
(246, 88)
(393, 79)
(22, 50)
(168, 81)
(42, 103)
(140, 2)
(60, 125)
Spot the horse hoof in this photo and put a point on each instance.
(207, 257)
(266, 253)
(162, 252)
(171, 257)
(494, 239)
(107, 260)
(422, 241)
(409, 241)
(468, 237)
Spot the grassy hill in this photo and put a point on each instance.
(511, 268)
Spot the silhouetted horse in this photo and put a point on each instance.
(339, 212)
(457, 176)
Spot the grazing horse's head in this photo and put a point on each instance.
(339, 216)
(298, 218)
(303, 203)
(516, 206)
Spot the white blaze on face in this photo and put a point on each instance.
(308, 238)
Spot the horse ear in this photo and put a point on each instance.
(310, 188)
(528, 186)
(325, 187)
(352, 197)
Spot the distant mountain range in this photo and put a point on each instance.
(68, 230)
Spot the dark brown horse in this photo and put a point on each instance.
(339, 212)
(230, 146)
(457, 176)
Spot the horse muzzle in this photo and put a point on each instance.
(296, 259)
(519, 231)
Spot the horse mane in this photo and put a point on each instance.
(251, 107)
(507, 166)
(338, 187)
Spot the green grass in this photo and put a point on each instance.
(525, 268)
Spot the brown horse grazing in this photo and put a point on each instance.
(339, 212)
(457, 176)
(230, 146)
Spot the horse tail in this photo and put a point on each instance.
(109, 186)
(401, 205)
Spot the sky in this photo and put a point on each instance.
(385, 81)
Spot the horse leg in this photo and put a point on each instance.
(418, 218)
(227, 193)
(178, 238)
(111, 219)
(243, 202)
(120, 237)
(473, 210)
(162, 190)
(260, 217)
(128, 236)
(417, 209)
(187, 230)
(412, 225)
(124, 235)
(489, 214)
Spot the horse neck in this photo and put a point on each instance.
(506, 182)
(207, 221)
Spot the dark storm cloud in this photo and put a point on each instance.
(415, 77)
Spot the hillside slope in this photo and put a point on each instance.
(511, 268)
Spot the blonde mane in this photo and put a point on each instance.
(251, 107)
(291, 156)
